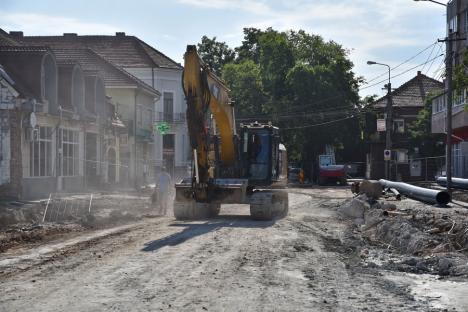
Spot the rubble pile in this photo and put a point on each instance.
(438, 237)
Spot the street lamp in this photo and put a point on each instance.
(433, 2)
(388, 120)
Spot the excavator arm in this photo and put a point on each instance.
(205, 93)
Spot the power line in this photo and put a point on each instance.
(404, 62)
(402, 73)
(428, 57)
(319, 124)
(432, 63)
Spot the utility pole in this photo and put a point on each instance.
(448, 66)
(388, 126)
(449, 84)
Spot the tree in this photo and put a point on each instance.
(215, 53)
(299, 81)
(460, 77)
(246, 87)
(421, 135)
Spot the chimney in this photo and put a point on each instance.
(16, 34)
(419, 73)
(69, 35)
(120, 34)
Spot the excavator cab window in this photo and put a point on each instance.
(259, 155)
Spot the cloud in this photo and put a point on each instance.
(41, 24)
(258, 7)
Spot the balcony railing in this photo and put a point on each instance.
(170, 117)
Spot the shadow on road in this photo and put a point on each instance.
(197, 229)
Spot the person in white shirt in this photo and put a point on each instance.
(163, 184)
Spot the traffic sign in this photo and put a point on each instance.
(381, 125)
(387, 154)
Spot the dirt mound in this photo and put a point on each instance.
(437, 238)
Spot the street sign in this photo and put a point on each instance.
(381, 125)
(162, 127)
(387, 154)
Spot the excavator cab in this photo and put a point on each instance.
(263, 158)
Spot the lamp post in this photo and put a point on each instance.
(388, 120)
(449, 86)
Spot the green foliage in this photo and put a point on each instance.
(420, 133)
(294, 79)
(247, 90)
(460, 77)
(215, 54)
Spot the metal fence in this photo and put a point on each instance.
(418, 169)
(62, 206)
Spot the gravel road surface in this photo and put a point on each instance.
(308, 261)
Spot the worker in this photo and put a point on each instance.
(163, 183)
(301, 176)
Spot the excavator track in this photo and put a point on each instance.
(268, 205)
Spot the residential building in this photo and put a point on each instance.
(61, 131)
(457, 22)
(155, 69)
(407, 101)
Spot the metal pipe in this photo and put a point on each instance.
(441, 198)
(395, 193)
(457, 183)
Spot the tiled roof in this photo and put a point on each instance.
(6, 40)
(412, 93)
(122, 50)
(93, 62)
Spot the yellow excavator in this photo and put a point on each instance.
(248, 166)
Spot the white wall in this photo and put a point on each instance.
(167, 80)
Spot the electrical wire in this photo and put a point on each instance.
(402, 73)
(432, 63)
(404, 62)
(428, 57)
(319, 124)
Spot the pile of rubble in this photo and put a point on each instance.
(435, 238)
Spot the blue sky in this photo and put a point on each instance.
(387, 31)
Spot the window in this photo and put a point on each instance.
(399, 125)
(70, 148)
(168, 141)
(168, 106)
(41, 152)
(459, 98)
(401, 156)
(453, 24)
(466, 20)
(438, 104)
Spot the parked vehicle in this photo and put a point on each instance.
(330, 172)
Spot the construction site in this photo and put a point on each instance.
(255, 165)
(335, 251)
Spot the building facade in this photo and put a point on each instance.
(407, 101)
(62, 130)
(457, 25)
(155, 69)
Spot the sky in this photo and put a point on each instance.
(385, 31)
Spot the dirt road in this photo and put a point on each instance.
(308, 261)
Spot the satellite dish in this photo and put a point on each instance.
(33, 120)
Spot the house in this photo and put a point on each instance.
(457, 21)
(61, 131)
(407, 101)
(155, 69)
